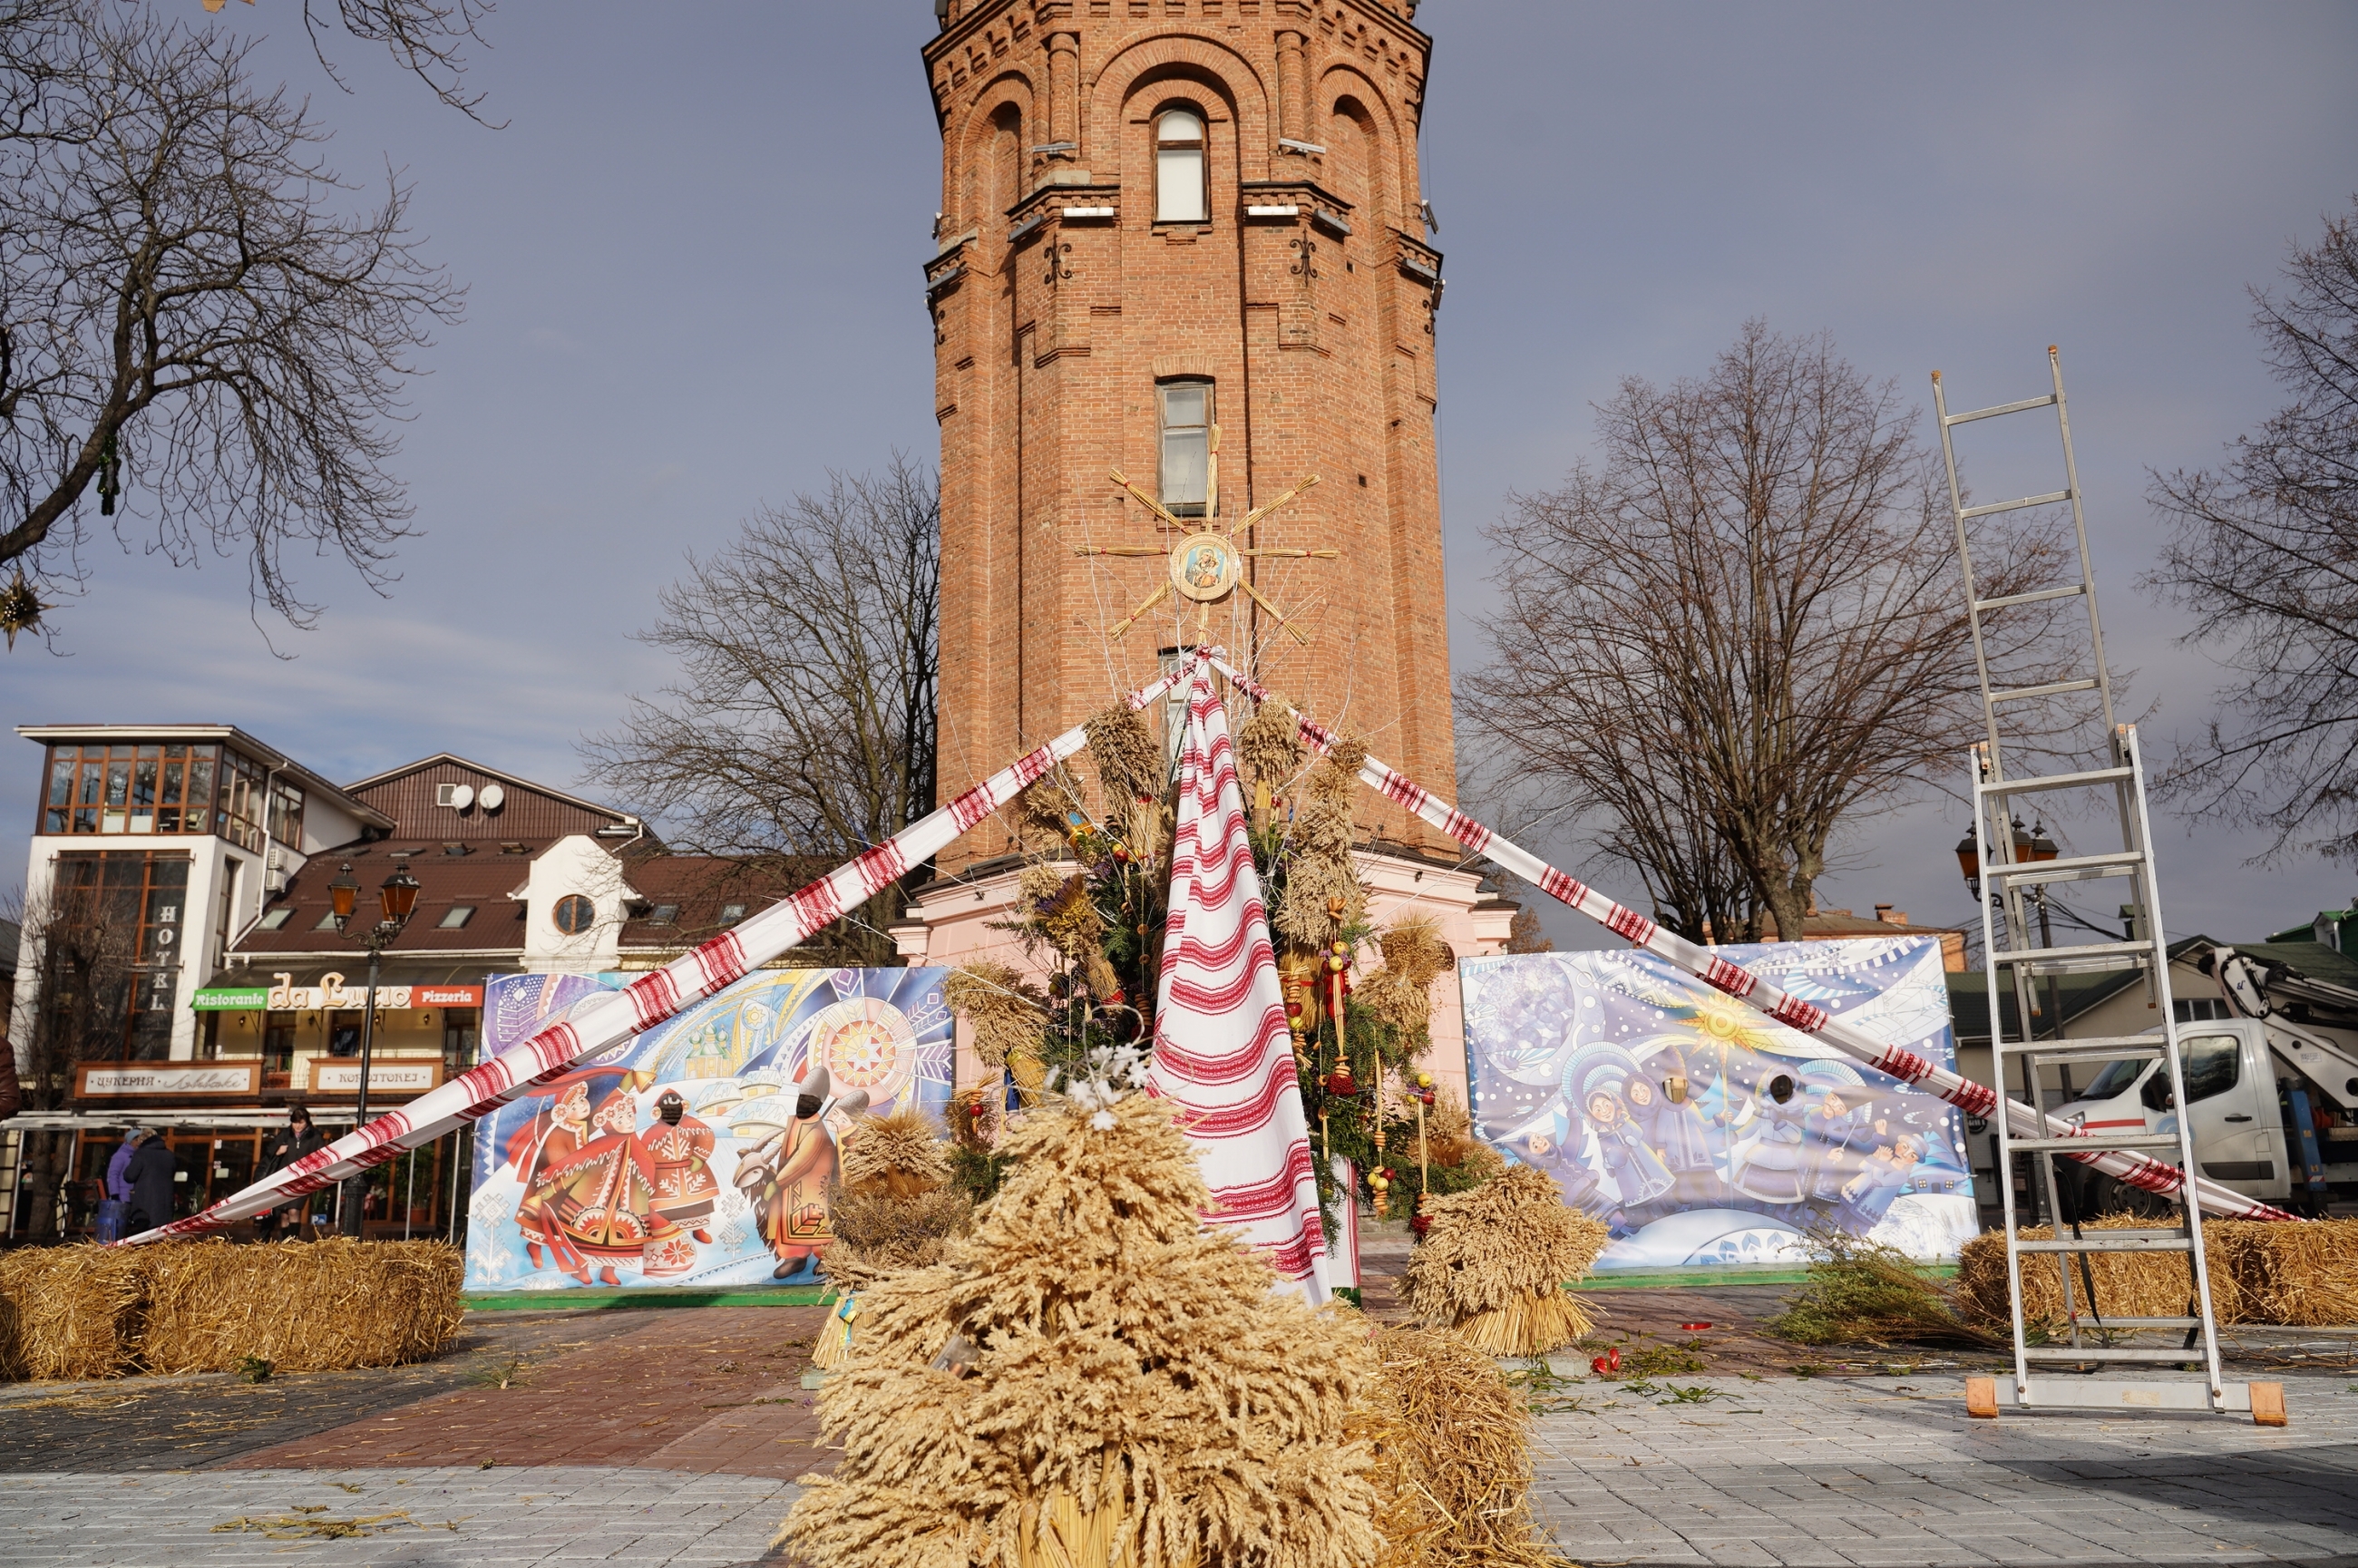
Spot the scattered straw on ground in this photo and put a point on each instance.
(1496, 1260)
(1451, 1439)
(2297, 1274)
(1862, 1292)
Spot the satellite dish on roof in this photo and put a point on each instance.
(494, 797)
(463, 797)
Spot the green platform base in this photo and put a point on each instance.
(1731, 1274)
(602, 1300)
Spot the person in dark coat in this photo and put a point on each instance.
(150, 1175)
(280, 1149)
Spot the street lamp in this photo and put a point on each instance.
(396, 898)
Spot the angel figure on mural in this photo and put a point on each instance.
(1674, 1124)
(787, 1175)
(1637, 1174)
(1768, 1168)
(1867, 1197)
(679, 1148)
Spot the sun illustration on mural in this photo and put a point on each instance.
(1206, 563)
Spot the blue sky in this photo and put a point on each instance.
(693, 259)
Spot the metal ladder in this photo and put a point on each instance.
(2014, 878)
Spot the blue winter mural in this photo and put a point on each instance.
(1703, 1133)
(698, 1152)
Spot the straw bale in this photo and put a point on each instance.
(1129, 758)
(71, 1311)
(314, 1306)
(901, 1154)
(1269, 745)
(1502, 1253)
(1007, 1015)
(1092, 1369)
(2299, 1274)
(1451, 1440)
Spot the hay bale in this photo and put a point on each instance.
(1495, 1260)
(71, 1311)
(303, 1306)
(2299, 1274)
(1451, 1440)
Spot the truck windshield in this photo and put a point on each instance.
(2117, 1079)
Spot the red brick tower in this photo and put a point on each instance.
(1160, 216)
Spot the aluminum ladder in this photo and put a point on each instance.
(2015, 945)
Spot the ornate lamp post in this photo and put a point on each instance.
(397, 897)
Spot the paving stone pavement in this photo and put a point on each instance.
(412, 1519)
(1890, 1473)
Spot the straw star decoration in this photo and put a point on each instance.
(1206, 565)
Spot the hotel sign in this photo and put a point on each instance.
(128, 1080)
(387, 1075)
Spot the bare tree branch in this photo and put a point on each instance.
(186, 321)
(1742, 628)
(2264, 550)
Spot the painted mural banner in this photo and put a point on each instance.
(698, 1152)
(1702, 1133)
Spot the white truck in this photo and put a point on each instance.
(2272, 1093)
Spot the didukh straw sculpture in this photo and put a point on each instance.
(1495, 1263)
(1093, 1380)
(891, 1208)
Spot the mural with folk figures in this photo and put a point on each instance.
(698, 1152)
(1703, 1133)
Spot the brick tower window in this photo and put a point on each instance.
(1179, 193)
(1186, 411)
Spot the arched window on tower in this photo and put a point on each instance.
(1185, 407)
(1179, 193)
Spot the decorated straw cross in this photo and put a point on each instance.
(1206, 563)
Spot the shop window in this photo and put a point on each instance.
(461, 1029)
(1185, 411)
(278, 1050)
(345, 1033)
(1179, 193)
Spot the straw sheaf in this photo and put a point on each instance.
(1449, 1136)
(877, 1231)
(1129, 757)
(208, 1306)
(2301, 1274)
(71, 1311)
(1401, 993)
(1453, 1466)
(1042, 825)
(901, 1154)
(1006, 1015)
(1269, 747)
(1507, 1246)
(1127, 1366)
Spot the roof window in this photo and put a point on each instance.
(272, 919)
(458, 914)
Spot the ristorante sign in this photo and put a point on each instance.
(333, 991)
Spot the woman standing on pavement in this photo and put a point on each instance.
(284, 1147)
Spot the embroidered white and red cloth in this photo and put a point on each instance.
(1222, 1051)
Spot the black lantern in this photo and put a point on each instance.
(344, 894)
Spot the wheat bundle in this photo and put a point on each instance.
(1449, 1137)
(901, 1154)
(1402, 991)
(1130, 764)
(876, 1231)
(1323, 897)
(1495, 1260)
(314, 1306)
(1451, 1440)
(2300, 1274)
(1092, 1379)
(1007, 1016)
(71, 1311)
(1043, 824)
(1269, 746)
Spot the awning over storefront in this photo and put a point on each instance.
(400, 984)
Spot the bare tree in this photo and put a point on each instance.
(803, 720)
(2264, 550)
(428, 39)
(84, 939)
(1739, 628)
(190, 328)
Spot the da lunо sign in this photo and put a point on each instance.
(1704, 1133)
